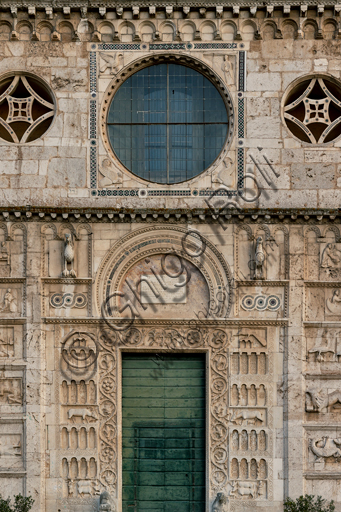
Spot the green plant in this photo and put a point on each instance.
(21, 504)
(308, 503)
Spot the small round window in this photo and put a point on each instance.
(312, 109)
(26, 108)
(167, 123)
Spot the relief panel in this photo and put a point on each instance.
(323, 302)
(11, 446)
(11, 300)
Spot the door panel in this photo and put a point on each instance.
(163, 441)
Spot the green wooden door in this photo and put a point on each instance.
(163, 408)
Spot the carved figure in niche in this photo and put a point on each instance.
(326, 344)
(333, 304)
(331, 257)
(227, 68)
(68, 257)
(259, 258)
(9, 304)
(219, 502)
(250, 417)
(71, 487)
(10, 388)
(3, 252)
(245, 489)
(316, 402)
(113, 62)
(326, 447)
(104, 503)
(5, 268)
(85, 414)
(111, 175)
(10, 450)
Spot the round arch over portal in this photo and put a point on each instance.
(146, 242)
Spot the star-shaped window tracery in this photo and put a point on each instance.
(26, 108)
(313, 111)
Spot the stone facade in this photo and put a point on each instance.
(256, 235)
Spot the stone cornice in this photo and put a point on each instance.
(162, 4)
(222, 323)
(170, 216)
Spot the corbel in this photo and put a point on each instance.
(152, 11)
(269, 10)
(49, 13)
(55, 36)
(75, 37)
(14, 36)
(14, 11)
(136, 11)
(66, 11)
(84, 11)
(186, 10)
(116, 36)
(253, 10)
(286, 9)
(337, 9)
(96, 37)
(219, 11)
(157, 36)
(202, 12)
(217, 36)
(320, 10)
(278, 34)
(169, 11)
(31, 10)
(238, 36)
(177, 36)
(102, 11)
(303, 10)
(236, 10)
(34, 36)
(119, 11)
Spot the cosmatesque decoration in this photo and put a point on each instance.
(260, 302)
(68, 300)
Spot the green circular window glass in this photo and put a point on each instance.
(167, 123)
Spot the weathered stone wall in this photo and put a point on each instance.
(77, 227)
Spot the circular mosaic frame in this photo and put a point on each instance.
(151, 60)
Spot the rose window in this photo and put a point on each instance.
(26, 108)
(312, 110)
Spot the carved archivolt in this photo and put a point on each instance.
(145, 242)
